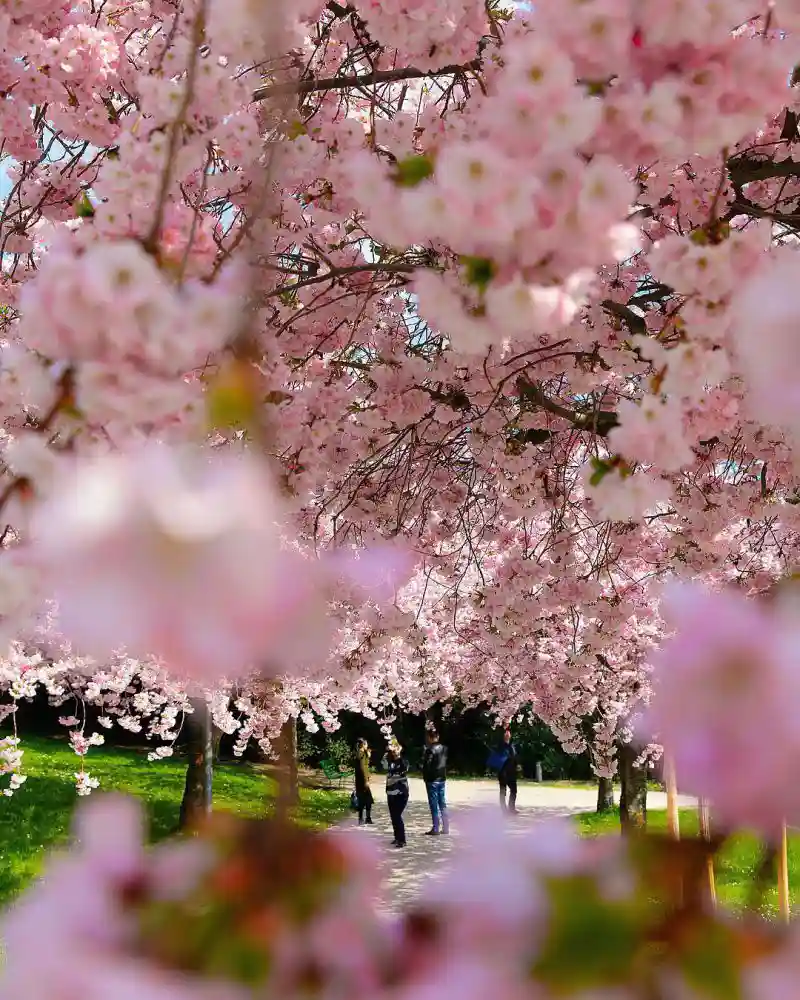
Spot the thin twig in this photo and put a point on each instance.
(66, 387)
(342, 272)
(150, 243)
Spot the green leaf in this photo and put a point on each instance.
(297, 128)
(238, 960)
(413, 170)
(478, 271)
(231, 399)
(601, 469)
(592, 942)
(710, 965)
(84, 209)
(69, 409)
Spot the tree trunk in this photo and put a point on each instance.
(196, 801)
(633, 793)
(216, 742)
(288, 791)
(605, 795)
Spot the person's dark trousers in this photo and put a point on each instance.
(511, 785)
(397, 804)
(365, 801)
(437, 801)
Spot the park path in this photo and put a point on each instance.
(404, 871)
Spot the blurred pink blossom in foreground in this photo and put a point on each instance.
(186, 555)
(727, 689)
(68, 937)
(88, 915)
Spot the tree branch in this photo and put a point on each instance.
(631, 319)
(743, 170)
(360, 80)
(601, 421)
(340, 272)
(64, 398)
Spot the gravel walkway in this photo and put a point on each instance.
(404, 871)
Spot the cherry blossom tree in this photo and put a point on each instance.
(383, 352)
(473, 289)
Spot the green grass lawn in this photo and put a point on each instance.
(736, 864)
(38, 815)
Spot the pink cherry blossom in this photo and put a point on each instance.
(764, 331)
(82, 933)
(729, 675)
(507, 288)
(183, 553)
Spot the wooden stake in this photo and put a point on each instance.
(705, 833)
(783, 877)
(673, 817)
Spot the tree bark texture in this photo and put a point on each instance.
(605, 795)
(197, 791)
(633, 793)
(288, 790)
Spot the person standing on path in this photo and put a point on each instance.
(434, 774)
(507, 773)
(397, 791)
(363, 791)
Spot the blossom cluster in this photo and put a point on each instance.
(509, 288)
(368, 354)
(216, 917)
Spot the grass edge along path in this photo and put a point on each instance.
(39, 814)
(735, 866)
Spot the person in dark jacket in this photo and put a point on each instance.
(397, 791)
(434, 774)
(363, 791)
(507, 773)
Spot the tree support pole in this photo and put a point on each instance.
(784, 905)
(705, 833)
(673, 816)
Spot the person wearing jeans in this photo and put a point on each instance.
(397, 792)
(434, 774)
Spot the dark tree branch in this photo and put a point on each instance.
(789, 131)
(361, 80)
(600, 421)
(743, 206)
(342, 272)
(631, 319)
(744, 169)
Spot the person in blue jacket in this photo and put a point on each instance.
(504, 760)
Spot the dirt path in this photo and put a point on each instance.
(404, 871)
